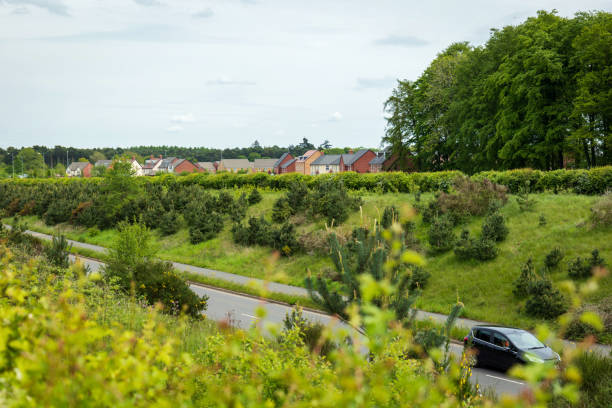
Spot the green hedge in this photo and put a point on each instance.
(594, 181)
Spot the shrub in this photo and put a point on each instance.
(601, 212)
(284, 239)
(482, 249)
(542, 220)
(169, 223)
(441, 235)
(545, 301)
(494, 227)
(85, 214)
(525, 280)
(297, 196)
(281, 211)
(578, 329)
(261, 232)
(57, 253)
(463, 248)
(419, 278)
(238, 208)
(522, 199)
(205, 227)
(254, 197)
(471, 197)
(310, 333)
(58, 211)
(581, 269)
(390, 215)
(553, 258)
(331, 200)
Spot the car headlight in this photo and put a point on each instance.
(532, 358)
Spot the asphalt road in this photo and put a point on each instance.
(242, 311)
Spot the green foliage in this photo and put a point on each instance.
(205, 227)
(553, 258)
(542, 220)
(601, 212)
(482, 249)
(471, 198)
(58, 211)
(578, 329)
(331, 200)
(254, 197)
(310, 333)
(535, 95)
(494, 227)
(545, 301)
(258, 231)
(581, 269)
(441, 236)
(169, 223)
(525, 280)
(523, 200)
(281, 210)
(390, 215)
(57, 253)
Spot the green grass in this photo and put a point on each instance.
(484, 287)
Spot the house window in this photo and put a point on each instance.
(326, 167)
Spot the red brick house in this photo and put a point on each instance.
(79, 169)
(283, 159)
(358, 162)
(288, 166)
(183, 165)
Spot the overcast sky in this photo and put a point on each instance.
(92, 73)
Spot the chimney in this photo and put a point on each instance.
(133, 158)
(151, 157)
(160, 156)
(351, 151)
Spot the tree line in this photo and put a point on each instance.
(534, 95)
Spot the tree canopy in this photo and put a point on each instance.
(537, 95)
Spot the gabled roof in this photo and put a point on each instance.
(378, 160)
(327, 159)
(77, 165)
(237, 163)
(209, 166)
(167, 162)
(352, 158)
(306, 155)
(279, 161)
(105, 163)
(264, 163)
(287, 164)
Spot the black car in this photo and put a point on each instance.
(502, 347)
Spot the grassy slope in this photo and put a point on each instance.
(484, 287)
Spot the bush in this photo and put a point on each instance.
(582, 269)
(577, 330)
(254, 197)
(310, 333)
(525, 280)
(601, 212)
(331, 200)
(205, 227)
(284, 240)
(261, 232)
(58, 211)
(169, 223)
(553, 258)
(419, 278)
(542, 220)
(494, 227)
(482, 249)
(471, 197)
(441, 235)
(545, 301)
(390, 215)
(281, 211)
(57, 253)
(522, 199)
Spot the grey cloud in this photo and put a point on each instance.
(147, 2)
(204, 13)
(367, 83)
(52, 6)
(401, 41)
(21, 11)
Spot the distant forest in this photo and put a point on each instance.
(538, 94)
(62, 155)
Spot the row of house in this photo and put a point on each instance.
(312, 162)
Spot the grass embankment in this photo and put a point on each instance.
(484, 287)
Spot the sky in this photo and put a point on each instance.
(224, 73)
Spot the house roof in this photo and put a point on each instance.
(264, 163)
(306, 155)
(327, 159)
(167, 162)
(279, 161)
(287, 164)
(150, 163)
(378, 159)
(236, 163)
(77, 165)
(206, 166)
(352, 158)
(105, 163)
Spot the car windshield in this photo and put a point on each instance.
(525, 340)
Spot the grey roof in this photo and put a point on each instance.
(287, 164)
(105, 163)
(264, 163)
(327, 159)
(77, 165)
(378, 159)
(166, 162)
(279, 161)
(206, 166)
(236, 163)
(352, 158)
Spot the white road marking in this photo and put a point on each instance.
(505, 379)
(252, 317)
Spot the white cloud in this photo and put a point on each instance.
(226, 80)
(183, 118)
(175, 128)
(52, 6)
(148, 3)
(335, 117)
(207, 13)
